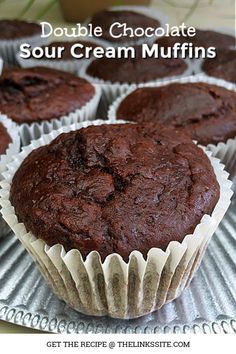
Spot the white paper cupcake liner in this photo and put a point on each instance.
(71, 65)
(228, 149)
(112, 90)
(114, 287)
(9, 48)
(226, 152)
(151, 12)
(1, 65)
(34, 130)
(13, 148)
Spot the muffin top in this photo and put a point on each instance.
(136, 70)
(115, 188)
(14, 29)
(5, 139)
(106, 18)
(203, 38)
(222, 66)
(66, 54)
(207, 38)
(37, 94)
(206, 112)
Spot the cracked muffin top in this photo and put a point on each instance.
(5, 139)
(137, 70)
(106, 18)
(15, 29)
(222, 66)
(38, 94)
(202, 38)
(115, 188)
(206, 112)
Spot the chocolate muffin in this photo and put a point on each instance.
(16, 29)
(106, 18)
(5, 139)
(38, 94)
(206, 112)
(207, 38)
(136, 70)
(115, 188)
(222, 66)
(203, 38)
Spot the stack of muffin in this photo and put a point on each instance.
(117, 213)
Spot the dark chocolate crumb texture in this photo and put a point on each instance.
(206, 112)
(38, 94)
(5, 139)
(115, 188)
(15, 29)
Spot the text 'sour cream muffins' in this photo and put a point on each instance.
(68, 60)
(116, 216)
(13, 33)
(39, 99)
(9, 143)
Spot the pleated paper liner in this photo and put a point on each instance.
(114, 287)
(226, 152)
(10, 47)
(1, 65)
(13, 148)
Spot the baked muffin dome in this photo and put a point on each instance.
(16, 29)
(206, 112)
(136, 70)
(38, 94)
(115, 188)
(222, 66)
(106, 18)
(203, 38)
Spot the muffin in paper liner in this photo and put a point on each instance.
(34, 130)
(13, 148)
(198, 71)
(112, 90)
(151, 12)
(70, 65)
(114, 287)
(10, 47)
(224, 151)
